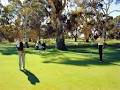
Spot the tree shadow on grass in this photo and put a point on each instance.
(13, 51)
(84, 62)
(31, 77)
(111, 56)
(8, 50)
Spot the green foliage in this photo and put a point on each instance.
(31, 14)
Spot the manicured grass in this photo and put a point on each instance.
(76, 69)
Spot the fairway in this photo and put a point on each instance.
(76, 69)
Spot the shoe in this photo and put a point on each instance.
(20, 69)
(24, 69)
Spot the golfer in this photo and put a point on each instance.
(21, 54)
(100, 42)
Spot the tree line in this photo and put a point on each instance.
(59, 19)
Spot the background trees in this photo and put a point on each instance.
(37, 19)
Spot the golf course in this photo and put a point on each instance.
(76, 69)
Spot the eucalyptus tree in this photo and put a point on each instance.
(31, 14)
(57, 7)
(7, 19)
(28, 14)
(95, 14)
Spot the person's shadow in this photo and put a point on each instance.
(31, 77)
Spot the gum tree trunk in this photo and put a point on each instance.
(60, 40)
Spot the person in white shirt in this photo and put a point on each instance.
(100, 42)
(17, 43)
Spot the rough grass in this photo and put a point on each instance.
(76, 69)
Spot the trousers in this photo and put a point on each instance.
(21, 59)
(100, 52)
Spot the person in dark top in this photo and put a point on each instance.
(21, 54)
(44, 46)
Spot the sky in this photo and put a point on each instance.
(5, 2)
(114, 6)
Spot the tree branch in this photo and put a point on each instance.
(113, 11)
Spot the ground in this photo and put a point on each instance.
(76, 69)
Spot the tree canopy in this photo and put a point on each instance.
(57, 18)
